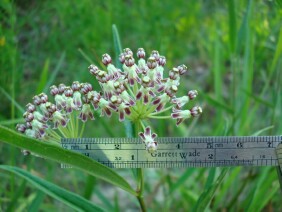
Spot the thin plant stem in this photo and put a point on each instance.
(166, 109)
(159, 117)
(140, 174)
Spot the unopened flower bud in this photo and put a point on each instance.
(182, 69)
(75, 86)
(68, 92)
(54, 90)
(141, 53)
(28, 116)
(127, 51)
(36, 100)
(129, 60)
(155, 54)
(122, 58)
(152, 63)
(192, 94)
(21, 128)
(162, 61)
(106, 59)
(61, 88)
(85, 88)
(30, 108)
(196, 111)
(43, 97)
(93, 70)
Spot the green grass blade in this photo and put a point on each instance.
(208, 194)
(54, 73)
(71, 199)
(20, 108)
(118, 49)
(61, 155)
(43, 77)
(182, 179)
(232, 25)
(35, 205)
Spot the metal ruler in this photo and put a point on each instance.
(181, 152)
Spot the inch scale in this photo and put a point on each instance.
(181, 152)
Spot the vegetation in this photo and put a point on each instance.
(233, 53)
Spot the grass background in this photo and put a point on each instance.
(232, 48)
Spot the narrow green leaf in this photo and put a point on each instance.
(64, 156)
(35, 205)
(182, 179)
(257, 133)
(43, 77)
(14, 102)
(71, 199)
(90, 184)
(54, 73)
(208, 194)
(211, 177)
(232, 25)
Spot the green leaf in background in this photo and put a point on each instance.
(71, 199)
(61, 155)
(43, 77)
(208, 194)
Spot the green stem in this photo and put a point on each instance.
(140, 188)
(156, 113)
(140, 174)
(159, 117)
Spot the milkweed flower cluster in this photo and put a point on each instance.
(139, 92)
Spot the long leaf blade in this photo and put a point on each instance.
(71, 199)
(61, 155)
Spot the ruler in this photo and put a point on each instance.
(181, 152)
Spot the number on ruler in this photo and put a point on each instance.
(209, 145)
(269, 144)
(132, 157)
(240, 145)
(86, 146)
(178, 146)
(117, 158)
(210, 156)
(117, 146)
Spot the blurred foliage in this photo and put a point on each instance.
(233, 50)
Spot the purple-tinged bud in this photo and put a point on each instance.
(155, 54)
(152, 62)
(68, 92)
(173, 74)
(85, 88)
(196, 111)
(93, 69)
(61, 88)
(129, 60)
(127, 51)
(162, 61)
(43, 97)
(75, 86)
(51, 108)
(86, 113)
(36, 100)
(21, 128)
(54, 90)
(192, 94)
(141, 53)
(106, 59)
(182, 69)
(122, 58)
(28, 116)
(28, 125)
(30, 108)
